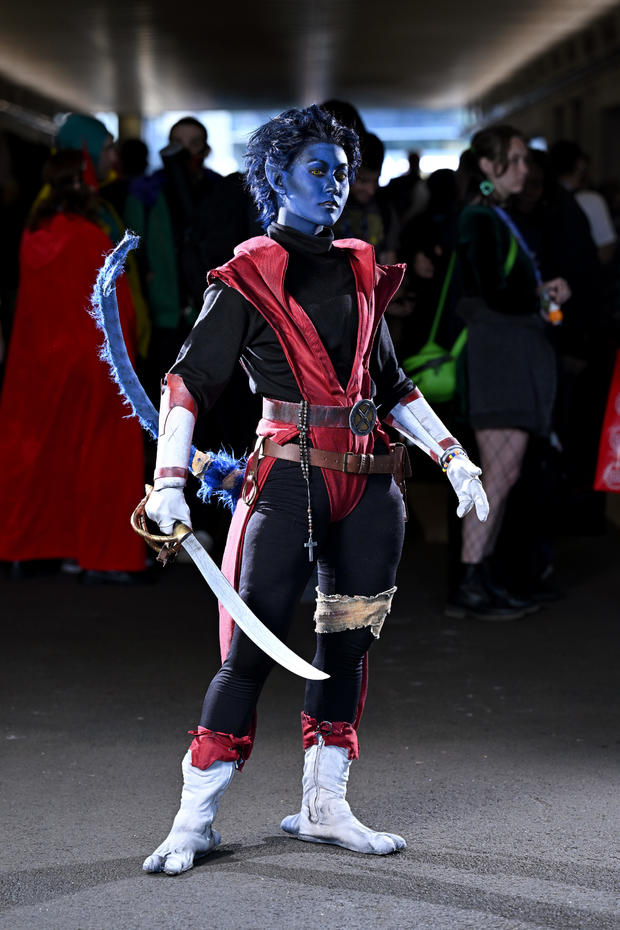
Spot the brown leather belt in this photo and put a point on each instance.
(396, 463)
(353, 463)
(284, 412)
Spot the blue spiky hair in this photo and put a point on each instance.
(281, 139)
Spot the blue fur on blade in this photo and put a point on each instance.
(104, 311)
(211, 482)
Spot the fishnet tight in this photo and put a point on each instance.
(501, 457)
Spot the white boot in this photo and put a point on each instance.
(191, 835)
(325, 815)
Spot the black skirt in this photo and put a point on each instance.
(511, 369)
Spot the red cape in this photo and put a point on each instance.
(71, 463)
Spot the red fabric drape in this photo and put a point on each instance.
(71, 463)
(608, 466)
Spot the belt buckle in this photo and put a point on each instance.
(364, 461)
(362, 418)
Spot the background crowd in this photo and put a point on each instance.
(62, 431)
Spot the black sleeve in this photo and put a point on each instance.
(483, 247)
(391, 382)
(208, 356)
(480, 258)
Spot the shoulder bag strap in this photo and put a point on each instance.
(511, 258)
(442, 297)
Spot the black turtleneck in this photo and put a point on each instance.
(229, 328)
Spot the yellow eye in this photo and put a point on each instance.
(316, 171)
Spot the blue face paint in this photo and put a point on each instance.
(314, 188)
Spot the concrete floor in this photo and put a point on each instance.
(493, 748)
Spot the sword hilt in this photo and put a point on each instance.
(166, 546)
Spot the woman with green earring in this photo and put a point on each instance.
(510, 361)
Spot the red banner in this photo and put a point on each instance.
(608, 468)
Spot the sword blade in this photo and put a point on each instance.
(243, 616)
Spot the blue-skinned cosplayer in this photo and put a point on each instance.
(304, 314)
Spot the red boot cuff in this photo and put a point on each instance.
(334, 734)
(209, 747)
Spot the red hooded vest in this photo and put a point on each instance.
(258, 271)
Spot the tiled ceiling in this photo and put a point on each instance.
(146, 56)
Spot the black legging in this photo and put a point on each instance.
(356, 555)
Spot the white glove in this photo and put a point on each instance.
(463, 476)
(166, 507)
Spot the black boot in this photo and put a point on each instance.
(502, 595)
(472, 599)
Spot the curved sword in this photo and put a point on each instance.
(245, 619)
(212, 469)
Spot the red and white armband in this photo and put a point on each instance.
(415, 418)
(177, 418)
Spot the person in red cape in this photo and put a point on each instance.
(62, 421)
(304, 315)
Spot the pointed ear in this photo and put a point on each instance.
(275, 176)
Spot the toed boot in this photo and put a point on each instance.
(325, 815)
(192, 835)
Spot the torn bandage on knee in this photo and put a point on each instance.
(337, 612)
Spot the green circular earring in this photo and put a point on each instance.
(486, 188)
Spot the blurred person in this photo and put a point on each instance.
(304, 312)
(610, 191)
(133, 156)
(131, 162)
(524, 548)
(346, 114)
(510, 361)
(409, 194)
(21, 163)
(381, 229)
(63, 426)
(558, 232)
(189, 219)
(427, 242)
(571, 167)
(587, 337)
(368, 215)
(91, 138)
